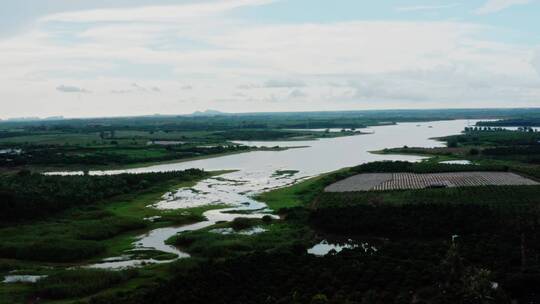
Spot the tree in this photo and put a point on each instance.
(474, 151)
(478, 286)
(319, 299)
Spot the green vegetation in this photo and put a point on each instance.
(424, 246)
(99, 156)
(292, 196)
(29, 195)
(530, 120)
(103, 223)
(518, 150)
(80, 282)
(213, 244)
(87, 233)
(121, 142)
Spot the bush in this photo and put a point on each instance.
(51, 250)
(80, 282)
(30, 196)
(241, 223)
(319, 299)
(474, 152)
(106, 228)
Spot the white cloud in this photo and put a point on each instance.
(283, 83)
(536, 62)
(171, 13)
(424, 7)
(206, 61)
(494, 6)
(296, 93)
(138, 87)
(121, 91)
(71, 89)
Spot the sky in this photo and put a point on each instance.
(87, 58)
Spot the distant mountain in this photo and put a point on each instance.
(208, 113)
(23, 119)
(54, 118)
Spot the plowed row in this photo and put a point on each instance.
(404, 181)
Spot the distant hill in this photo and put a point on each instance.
(208, 113)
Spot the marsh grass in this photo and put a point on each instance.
(80, 282)
(207, 244)
(106, 228)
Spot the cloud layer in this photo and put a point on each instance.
(494, 6)
(181, 58)
(71, 89)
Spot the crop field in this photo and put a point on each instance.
(404, 181)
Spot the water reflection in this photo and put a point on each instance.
(256, 173)
(324, 247)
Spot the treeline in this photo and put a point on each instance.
(497, 138)
(30, 195)
(338, 119)
(422, 167)
(497, 129)
(512, 150)
(310, 194)
(54, 155)
(497, 228)
(526, 154)
(256, 134)
(399, 273)
(522, 146)
(516, 122)
(423, 220)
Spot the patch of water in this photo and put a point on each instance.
(324, 247)
(255, 172)
(250, 231)
(23, 278)
(457, 162)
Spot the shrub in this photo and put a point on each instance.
(51, 250)
(474, 151)
(267, 219)
(241, 223)
(80, 282)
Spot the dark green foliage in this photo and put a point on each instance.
(257, 134)
(474, 152)
(80, 282)
(515, 122)
(267, 219)
(496, 138)
(294, 277)
(27, 196)
(101, 229)
(519, 150)
(339, 119)
(410, 220)
(98, 156)
(493, 196)
(423, 167)
(241, 223)
(50, 249)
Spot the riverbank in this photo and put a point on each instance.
(258, 173)
(78, 168)
(116, 223)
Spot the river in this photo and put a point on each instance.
(256, 173)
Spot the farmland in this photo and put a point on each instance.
(404, 181)
(238, 247)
